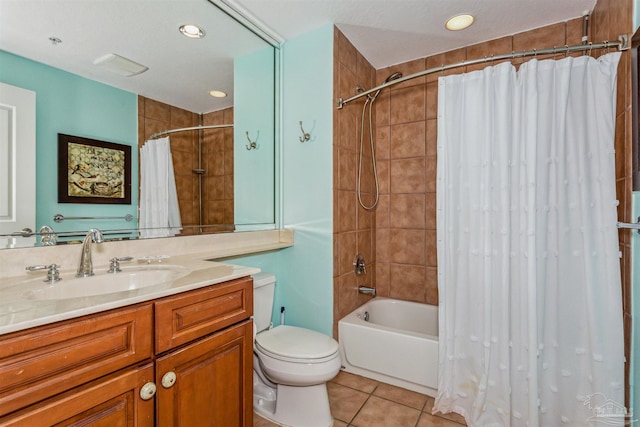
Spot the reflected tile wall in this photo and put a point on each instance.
(217, 160)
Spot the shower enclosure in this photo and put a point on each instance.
(203, 164)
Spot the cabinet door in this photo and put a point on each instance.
(113, 401)
(213, 381)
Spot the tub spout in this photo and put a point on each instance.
(366, 290)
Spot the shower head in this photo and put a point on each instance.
(394, 76)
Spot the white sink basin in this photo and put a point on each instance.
(105, 283)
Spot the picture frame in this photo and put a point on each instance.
(93, 171)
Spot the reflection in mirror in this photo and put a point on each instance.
(75, 97)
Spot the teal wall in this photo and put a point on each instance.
(69, 104)
(254, 170)
(305, 271)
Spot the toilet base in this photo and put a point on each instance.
(295, 406)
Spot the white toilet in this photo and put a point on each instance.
(291, 366)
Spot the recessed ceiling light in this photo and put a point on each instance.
(217, 94)
(192, 31)
(459, 22)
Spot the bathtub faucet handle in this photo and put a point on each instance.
(359, 265)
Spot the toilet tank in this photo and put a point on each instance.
(264, 285)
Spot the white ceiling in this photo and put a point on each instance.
(182, 71)
(389, 32)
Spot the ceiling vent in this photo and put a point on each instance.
(120, 65)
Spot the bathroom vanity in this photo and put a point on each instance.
(176, 354)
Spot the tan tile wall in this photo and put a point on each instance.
(353, 225)
(217, 159)
(404, 236)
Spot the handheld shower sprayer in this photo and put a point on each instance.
(369, 101)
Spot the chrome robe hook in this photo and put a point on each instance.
(252, 145)
(305, 135)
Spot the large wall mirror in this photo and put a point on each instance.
(81, 62)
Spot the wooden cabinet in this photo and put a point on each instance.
(213, 381)
(89, 371)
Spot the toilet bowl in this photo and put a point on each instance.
(291, 367)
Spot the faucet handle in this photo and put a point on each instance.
(114, 264)
(53, 274)
(359, 265)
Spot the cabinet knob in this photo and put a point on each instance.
(148, 391)
(168, 379)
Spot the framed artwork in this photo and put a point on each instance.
(92, 171)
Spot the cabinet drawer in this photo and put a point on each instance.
(189, 316)
(47, 360)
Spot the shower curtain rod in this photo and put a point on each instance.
(167, 132)
(621, 44)
(633, 226)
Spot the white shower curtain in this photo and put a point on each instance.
(529, 280)
(159, 210)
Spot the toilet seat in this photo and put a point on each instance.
(296, 345)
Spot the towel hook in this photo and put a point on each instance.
(252, 145)
(305, 135)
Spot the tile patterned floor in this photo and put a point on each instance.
(362, 402)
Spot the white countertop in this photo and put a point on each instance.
(19, 310)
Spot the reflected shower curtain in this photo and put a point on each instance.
(529, 280)
(159, 210)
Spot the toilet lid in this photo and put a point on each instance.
(296, 343)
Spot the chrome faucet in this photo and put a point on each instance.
(85, 268)
(367, 291)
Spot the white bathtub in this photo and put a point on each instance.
(398, 345)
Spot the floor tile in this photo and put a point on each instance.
(427, 420)
(401, 395)
(450, 416)
(344, 401)
(379, 412)
(357, 382)
(258, 421)
(357, 401)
